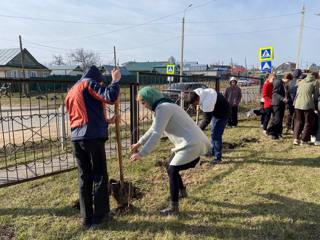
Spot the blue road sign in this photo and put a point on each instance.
(266, 54)
(266, 67)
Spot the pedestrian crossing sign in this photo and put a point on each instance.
(170, 69)
(266, 54)
(266, 67)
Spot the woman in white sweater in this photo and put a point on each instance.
(188, 139)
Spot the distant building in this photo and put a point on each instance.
(238, 70)
(193, 68)
(314, 68)
(107, 69)
(285, 67)
(155, 67)
(65, 70)
(222, 71)
(10, 64)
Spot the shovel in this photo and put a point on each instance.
(122, 191)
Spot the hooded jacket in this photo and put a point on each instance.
(292, 87)
(86, 105)
(233, 95)
(307, 94)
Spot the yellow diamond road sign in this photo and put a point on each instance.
(266, 54)
(170, 69)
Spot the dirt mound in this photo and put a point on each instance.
(7, 232)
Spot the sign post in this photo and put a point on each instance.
(170, 71)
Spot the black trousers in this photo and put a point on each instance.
(276, 128)
(267, 116)
(303, 124)
(93, 178)
(175, 179)
(233, 119)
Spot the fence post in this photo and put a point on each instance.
(218, 84)
(134, 113)
(62, 127)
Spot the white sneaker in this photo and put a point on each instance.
(317, 143)
(265, 132)
(296, 142)
(313, 139)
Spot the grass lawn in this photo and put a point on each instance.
(264, 190)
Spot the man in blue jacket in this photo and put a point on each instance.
(86, 104)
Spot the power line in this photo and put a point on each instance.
(134, 26)
(151, 23)
(246, 32)
(313, 28)
(244, 19)
(107, 51)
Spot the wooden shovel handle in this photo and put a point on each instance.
(118, 139)
(197, 116)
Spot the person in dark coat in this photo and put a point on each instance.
(278, 103)
(233, 95)
(86, 104)
(292, 92)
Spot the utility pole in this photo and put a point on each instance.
(231, 63)
(300, 37)
(182, 42)
(24, 86)
(22, 57)
(245, 65)
(182, 45)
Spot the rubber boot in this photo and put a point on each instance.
(172, 209)
(183, 193)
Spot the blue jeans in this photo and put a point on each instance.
(217, 128)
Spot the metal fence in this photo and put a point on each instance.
(34, 126)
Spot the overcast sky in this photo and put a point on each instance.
(147, 30)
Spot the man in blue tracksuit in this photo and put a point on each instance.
(86, 104)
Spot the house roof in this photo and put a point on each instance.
(6, 55)
(11, 57)
(64, 67)
(287, 66)
(65, 70)
(124, 71)
(144, 66)
(195, 67)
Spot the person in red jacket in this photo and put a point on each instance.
(86, 105)
(267, 97)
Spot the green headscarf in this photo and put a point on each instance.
(152, 96)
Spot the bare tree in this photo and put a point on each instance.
(85, 58)
(58, 60)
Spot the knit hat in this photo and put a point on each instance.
(233, 79)
(297, 73)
